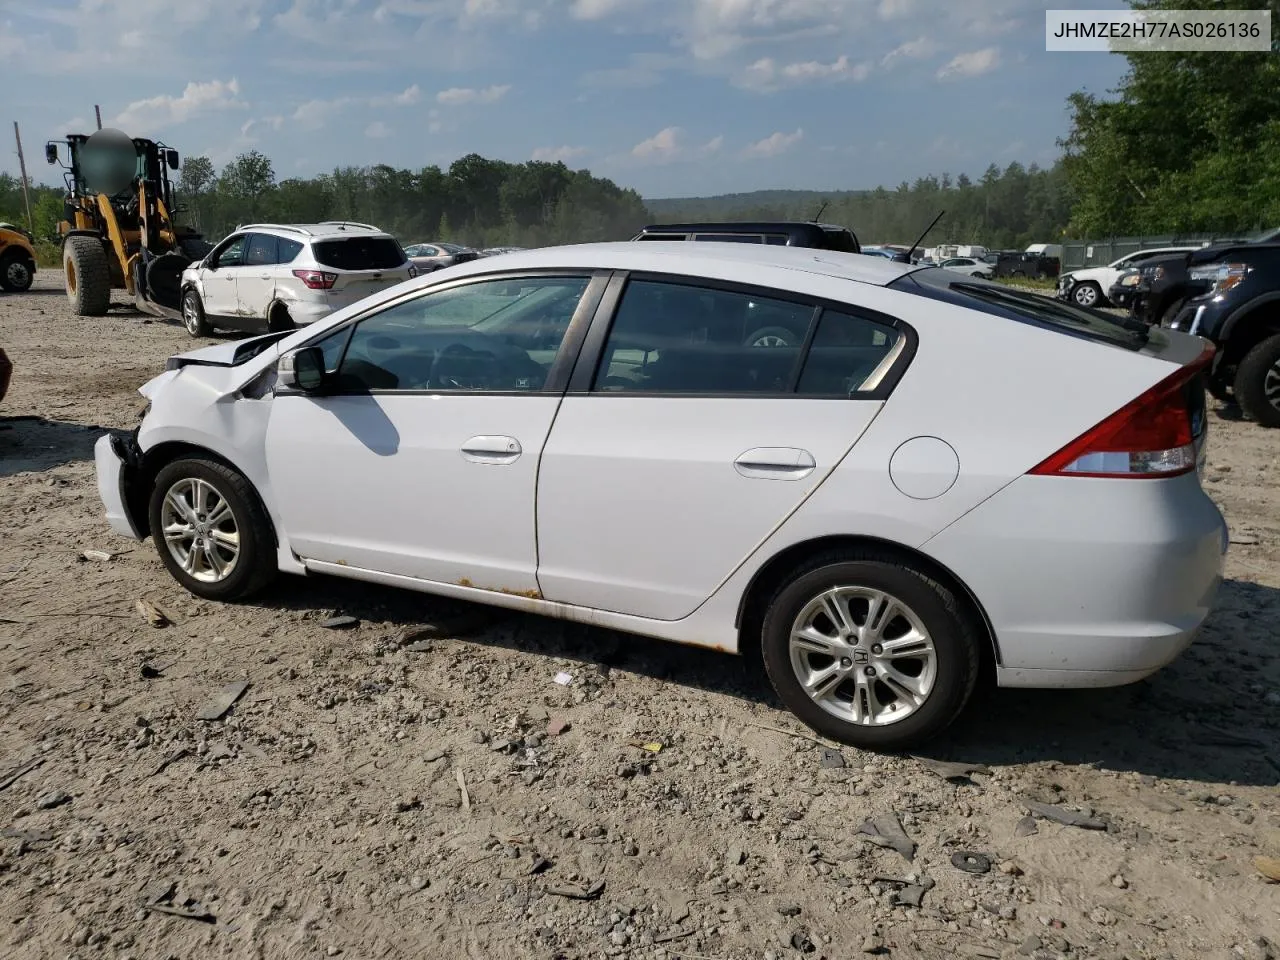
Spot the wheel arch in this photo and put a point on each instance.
(774, 572)
(160, 456)
(1250, 325)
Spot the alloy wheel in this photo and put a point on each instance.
(1271, 385)
(190, 319)
(863, 655)
(200, 530)
(1085, 295)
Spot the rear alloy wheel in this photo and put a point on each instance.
(16, 274)
(772, 337)
(869, 651)
(211, 531)
(1087, 294)
(193, 317)
(1257, 383)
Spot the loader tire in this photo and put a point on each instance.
(88, 276)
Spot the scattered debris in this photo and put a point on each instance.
(21, 772)
(1011, 868)
(557, 726)
(27, 836)
(99, 556)
(1269, 867)
(462, 789)
(653, 747)
(419, 635)
(886, 831)
(188, 909)
(562, 678)
(910, 893)
(223, 700)
(872, 943)
(171, 758)
(676, 934)
(1069, 818)
(540, 865)
(831, 759)
(971, 862)
(1244, 539)
(1026, 827)
(736, 857)
(418, 646)
(152, 614)
(52, 798)
(800, 941)
(577, 893)
(150, 671)
(340, 622)
(952, 770)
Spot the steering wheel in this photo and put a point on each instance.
(481, 367)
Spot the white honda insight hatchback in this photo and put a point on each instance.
(939, 475)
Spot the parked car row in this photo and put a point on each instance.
(584, 432)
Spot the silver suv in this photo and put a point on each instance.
(271, 276)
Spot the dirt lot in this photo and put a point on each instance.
(323, 816)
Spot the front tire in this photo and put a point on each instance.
(869, 651)
(1257, 383)
(17, 273)
(193, 317)
(88, 276)
(211, 530)
(1087, 294)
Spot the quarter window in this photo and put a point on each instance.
(676, 339)
(288, 249)
(490, 336)
(847, 355)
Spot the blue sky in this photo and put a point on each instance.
(672, 97)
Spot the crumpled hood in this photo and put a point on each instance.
(226, 354)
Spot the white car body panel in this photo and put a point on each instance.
(1016, 542)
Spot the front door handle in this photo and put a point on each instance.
(490, 449)
(775, 463)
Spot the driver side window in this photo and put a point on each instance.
(491, 336)
(232, 255)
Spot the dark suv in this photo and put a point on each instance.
(782, 233)
(1234, 301)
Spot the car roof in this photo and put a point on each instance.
(730, 226)
(723, 260)
(315, 231)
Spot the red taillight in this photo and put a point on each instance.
(1152, 436)
(316, 279)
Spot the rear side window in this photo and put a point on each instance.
(1024, 306)
(670, 338)
(359, 253)
(848, 355)
(287, 250)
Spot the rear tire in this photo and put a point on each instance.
(88, 276)
(193, 317)
(211, 530)
(17, 272)
(278, 319)
(942, 678)
(1257, 383)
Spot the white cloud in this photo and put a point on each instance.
(971, 64)
(669, 144)
(594, 9)
(767, 74)
(316, 113)
(455, 96)
(406, 98)
(196, 100)
(918, 49)
(557, 154)
(773, 145)
(377, 130)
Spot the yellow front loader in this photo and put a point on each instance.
(118, 230)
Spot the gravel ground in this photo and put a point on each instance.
(326, 814)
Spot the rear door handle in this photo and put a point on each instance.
(775, 463)
(491, 449)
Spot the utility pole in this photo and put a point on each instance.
(97, 112)
(22, 170)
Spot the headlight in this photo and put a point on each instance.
(1130, 281)
(1221, 276)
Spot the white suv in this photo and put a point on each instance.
(1089, 286)
(271, 277)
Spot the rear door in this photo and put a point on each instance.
(362, 264)
(256, 286)
(678, 448)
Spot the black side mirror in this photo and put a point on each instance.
(51, 152)
(171, 157)
(302, 370)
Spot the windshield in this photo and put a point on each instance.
(1024, 306)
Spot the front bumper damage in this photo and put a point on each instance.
(118, 460)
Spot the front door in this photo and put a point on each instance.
(256, 281)
(422, 458)
(218, 281)
(686, 448)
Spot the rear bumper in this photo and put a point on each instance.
(116, 458)
(1089, 582)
